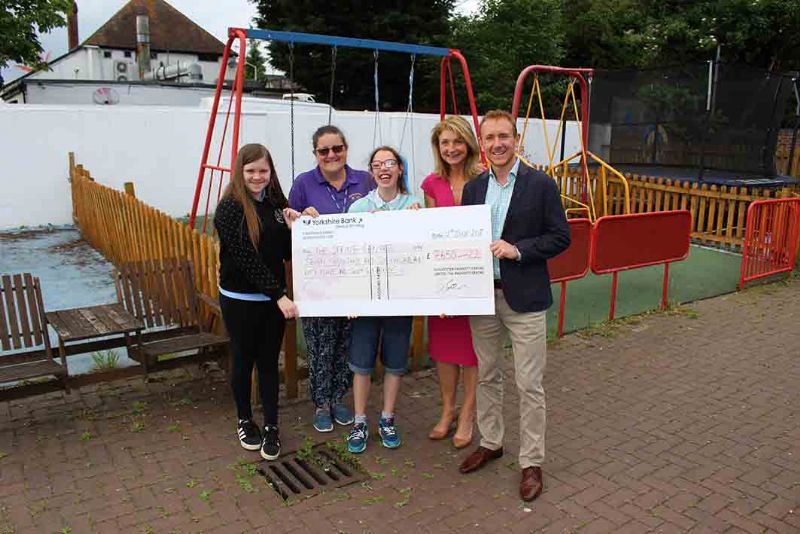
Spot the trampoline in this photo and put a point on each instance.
(713, 123)
(709, 176)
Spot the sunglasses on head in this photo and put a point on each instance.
(337, 149)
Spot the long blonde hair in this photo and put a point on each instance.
(237, 189)
(462, 129)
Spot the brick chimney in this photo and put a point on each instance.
(143, 43)
(72, 22)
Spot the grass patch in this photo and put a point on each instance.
(137, 425)
(244, 473)
(183, 401)
(339, 449)
(105, 360)
(406, 494)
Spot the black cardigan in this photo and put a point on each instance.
(242, 268)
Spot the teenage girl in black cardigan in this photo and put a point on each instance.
(253, 223)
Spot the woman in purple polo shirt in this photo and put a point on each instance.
(331, 187)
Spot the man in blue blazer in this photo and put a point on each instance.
(528, 227)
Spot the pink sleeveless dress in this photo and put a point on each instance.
(449, 339)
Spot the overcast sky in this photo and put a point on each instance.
(215, 16)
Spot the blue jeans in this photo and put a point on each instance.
(395, 344)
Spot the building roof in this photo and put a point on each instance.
(170, 30)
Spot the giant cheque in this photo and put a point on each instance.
(410, 262)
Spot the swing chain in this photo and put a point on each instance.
(410, 105)
(333, 82)
(411, 84)
(291, 100)
(412, 166)
(375, 128)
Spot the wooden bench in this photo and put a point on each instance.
(23, 331)
(162, 295)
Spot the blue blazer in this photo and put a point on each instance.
(537, 226)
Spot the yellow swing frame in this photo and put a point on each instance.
(560, 170)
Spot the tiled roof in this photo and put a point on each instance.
(170, 30)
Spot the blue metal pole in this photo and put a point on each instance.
(313, 38)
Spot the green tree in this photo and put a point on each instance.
(607, 34)
(505, 37)
(21, 22)
(255, 66)
(422, 22)
(653, 33)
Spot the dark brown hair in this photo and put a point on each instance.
(401, 181)
(324, 130)
(237, 189)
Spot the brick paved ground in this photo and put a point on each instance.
(685, 422)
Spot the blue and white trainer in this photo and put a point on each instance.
(357, 440)
(323, 421)
(388, 431)
(342, 414)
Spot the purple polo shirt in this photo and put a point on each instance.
(312, 189)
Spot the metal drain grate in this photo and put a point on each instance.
(294, 476)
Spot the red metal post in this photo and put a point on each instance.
(452, 86)
(470, 96)
(443, 88)
(665, 287)
(240, 34)
(210, 131)
(613, 305)
(562, 305)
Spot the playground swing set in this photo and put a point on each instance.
(600, 241)
(216, 170)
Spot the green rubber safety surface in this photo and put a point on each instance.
(705, 273)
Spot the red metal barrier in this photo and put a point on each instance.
(623, 242)
(571, 264)
(770, 242)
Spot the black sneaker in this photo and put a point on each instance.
(271, 446)
(249, 436)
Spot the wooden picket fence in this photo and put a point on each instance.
(123, 228)
(782, 163)
(718, 212)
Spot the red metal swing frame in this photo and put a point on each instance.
(240, 36)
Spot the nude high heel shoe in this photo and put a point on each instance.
(437, 433)
(463, 435)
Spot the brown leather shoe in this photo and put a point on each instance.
(531, 485)
(480, 457)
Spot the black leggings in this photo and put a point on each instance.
(256, 332)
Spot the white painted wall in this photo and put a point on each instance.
(159, 149)
(90, 63)
(135, 94)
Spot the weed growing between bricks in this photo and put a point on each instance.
(610, 329)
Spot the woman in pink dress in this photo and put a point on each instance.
(457, 157)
